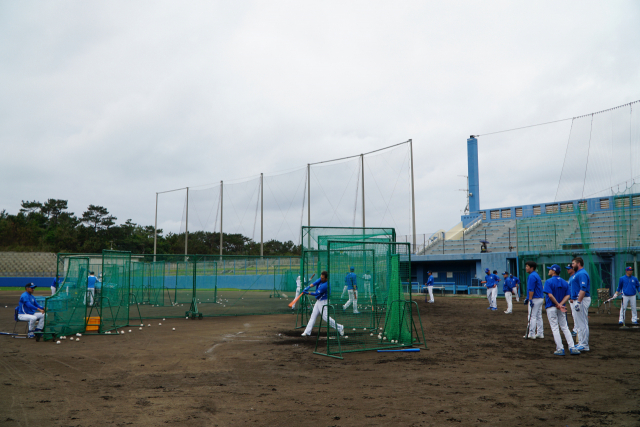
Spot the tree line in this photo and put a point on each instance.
(50, 227)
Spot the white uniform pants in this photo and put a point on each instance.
(515, 292)
(558, 322)
(634, 312)
(343, 291)
(293, 307)
(535, 324)
(582, 319)
(352, 300)
(508, 296)
(32, 319)
(90, 293)
(53, 290)
(430, 289)
(317, 310)
(492, 293)
(367, 288)
(572, 303)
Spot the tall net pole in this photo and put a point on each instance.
(362, 168)
(155, 232)
(186, 227)
(221, 210)
(413, 197)
(261, 214)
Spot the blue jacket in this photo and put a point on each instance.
(28, 304)
(581, 282)
(491, 280)
(508, 285)
(628, 285)
(91, 282)
(322, 290)
(351, 281)
(557, 287)
(534, 284)
(430, 281)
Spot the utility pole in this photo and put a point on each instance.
(155, 232)
(362, 167)
(221, 211)
(261, 214)
(413, 196)
(186, 227)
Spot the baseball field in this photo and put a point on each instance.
(258, 370)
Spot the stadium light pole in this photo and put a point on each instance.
(221, 211)
(308, 203)
(413, 197)
(186, 227)
(261, 214)
(155, 232)
(362, 167)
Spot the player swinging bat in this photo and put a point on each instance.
(292, 304)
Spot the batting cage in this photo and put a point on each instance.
(367, 308)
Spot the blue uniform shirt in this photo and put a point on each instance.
(490, 279)
(351, 281)
(56, 282)
(534, 284)
(516, 281)
(28, 304)
(91, 282)
(508, 285)
(557, 287)
(322, 290)
(582, 282)
(430, 281)
(628, 285)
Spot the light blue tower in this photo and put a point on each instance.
(474, 182)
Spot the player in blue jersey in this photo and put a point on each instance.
(535, 300)
(571, 271)
(91, 287)
(491, 283)
(429, 286)
(557, 292)
(56, 282)
(581, 301)
(30, 311)
(321, 294)
(507, 288)
(351, 282)
(516, 286)
(628, 286)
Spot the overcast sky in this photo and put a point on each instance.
(108, 103)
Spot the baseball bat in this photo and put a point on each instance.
(404, 350)
(291, 304)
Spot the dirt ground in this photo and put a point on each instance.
(258, 370)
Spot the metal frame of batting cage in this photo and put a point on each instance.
(404, 307)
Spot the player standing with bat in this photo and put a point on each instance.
(628, 286)
(557, 291)
(322, 296)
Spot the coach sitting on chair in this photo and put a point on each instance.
(30, 311)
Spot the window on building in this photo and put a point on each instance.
(537, 210)
(506, 213)
(495, 214)
(519, 212)
(582, 206)
(636, 201)
(484, 215)
(551, 209)
(622, 202)
(604, 203)
(566, 207)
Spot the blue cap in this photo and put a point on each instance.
(628, 269)
(554, 267)
(505, 274)
(486, 270)
(569, 267)
(351, 268)
(30, 285)
(429, 272)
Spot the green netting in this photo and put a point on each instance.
(111, 304)
(65, 311)
(315, 238)
(382, 315)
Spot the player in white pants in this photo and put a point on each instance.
(628, 286)
(535, 300)
(30, 311)
(429, 286)
(367, 284)
(557, 291)
(507, 288)
(351, 281)
(571, 271)
(582, 300)
(491, 282)
(298, 287)
(321, 294)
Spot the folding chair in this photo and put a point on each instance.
(26, 329)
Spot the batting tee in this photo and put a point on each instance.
(384, 317)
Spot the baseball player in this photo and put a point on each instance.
(557, 291)
(321, 294)
(508, 288)
(55, 284)
(91, 287)
(30, 311)
(574, 331)
(298, 287)
(516, 286)
(492, 288)
(429, 286)
(582, 300)
(367, 284)
(535, 300)
(351, 281)
(628, 285)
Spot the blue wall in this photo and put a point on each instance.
(44, 282)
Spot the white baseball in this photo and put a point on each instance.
(159, 324)
(164, 320)
(77, 339)
(57, 342)
(122, 332)
(346, 336)
(140, 328)
(174, 329)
